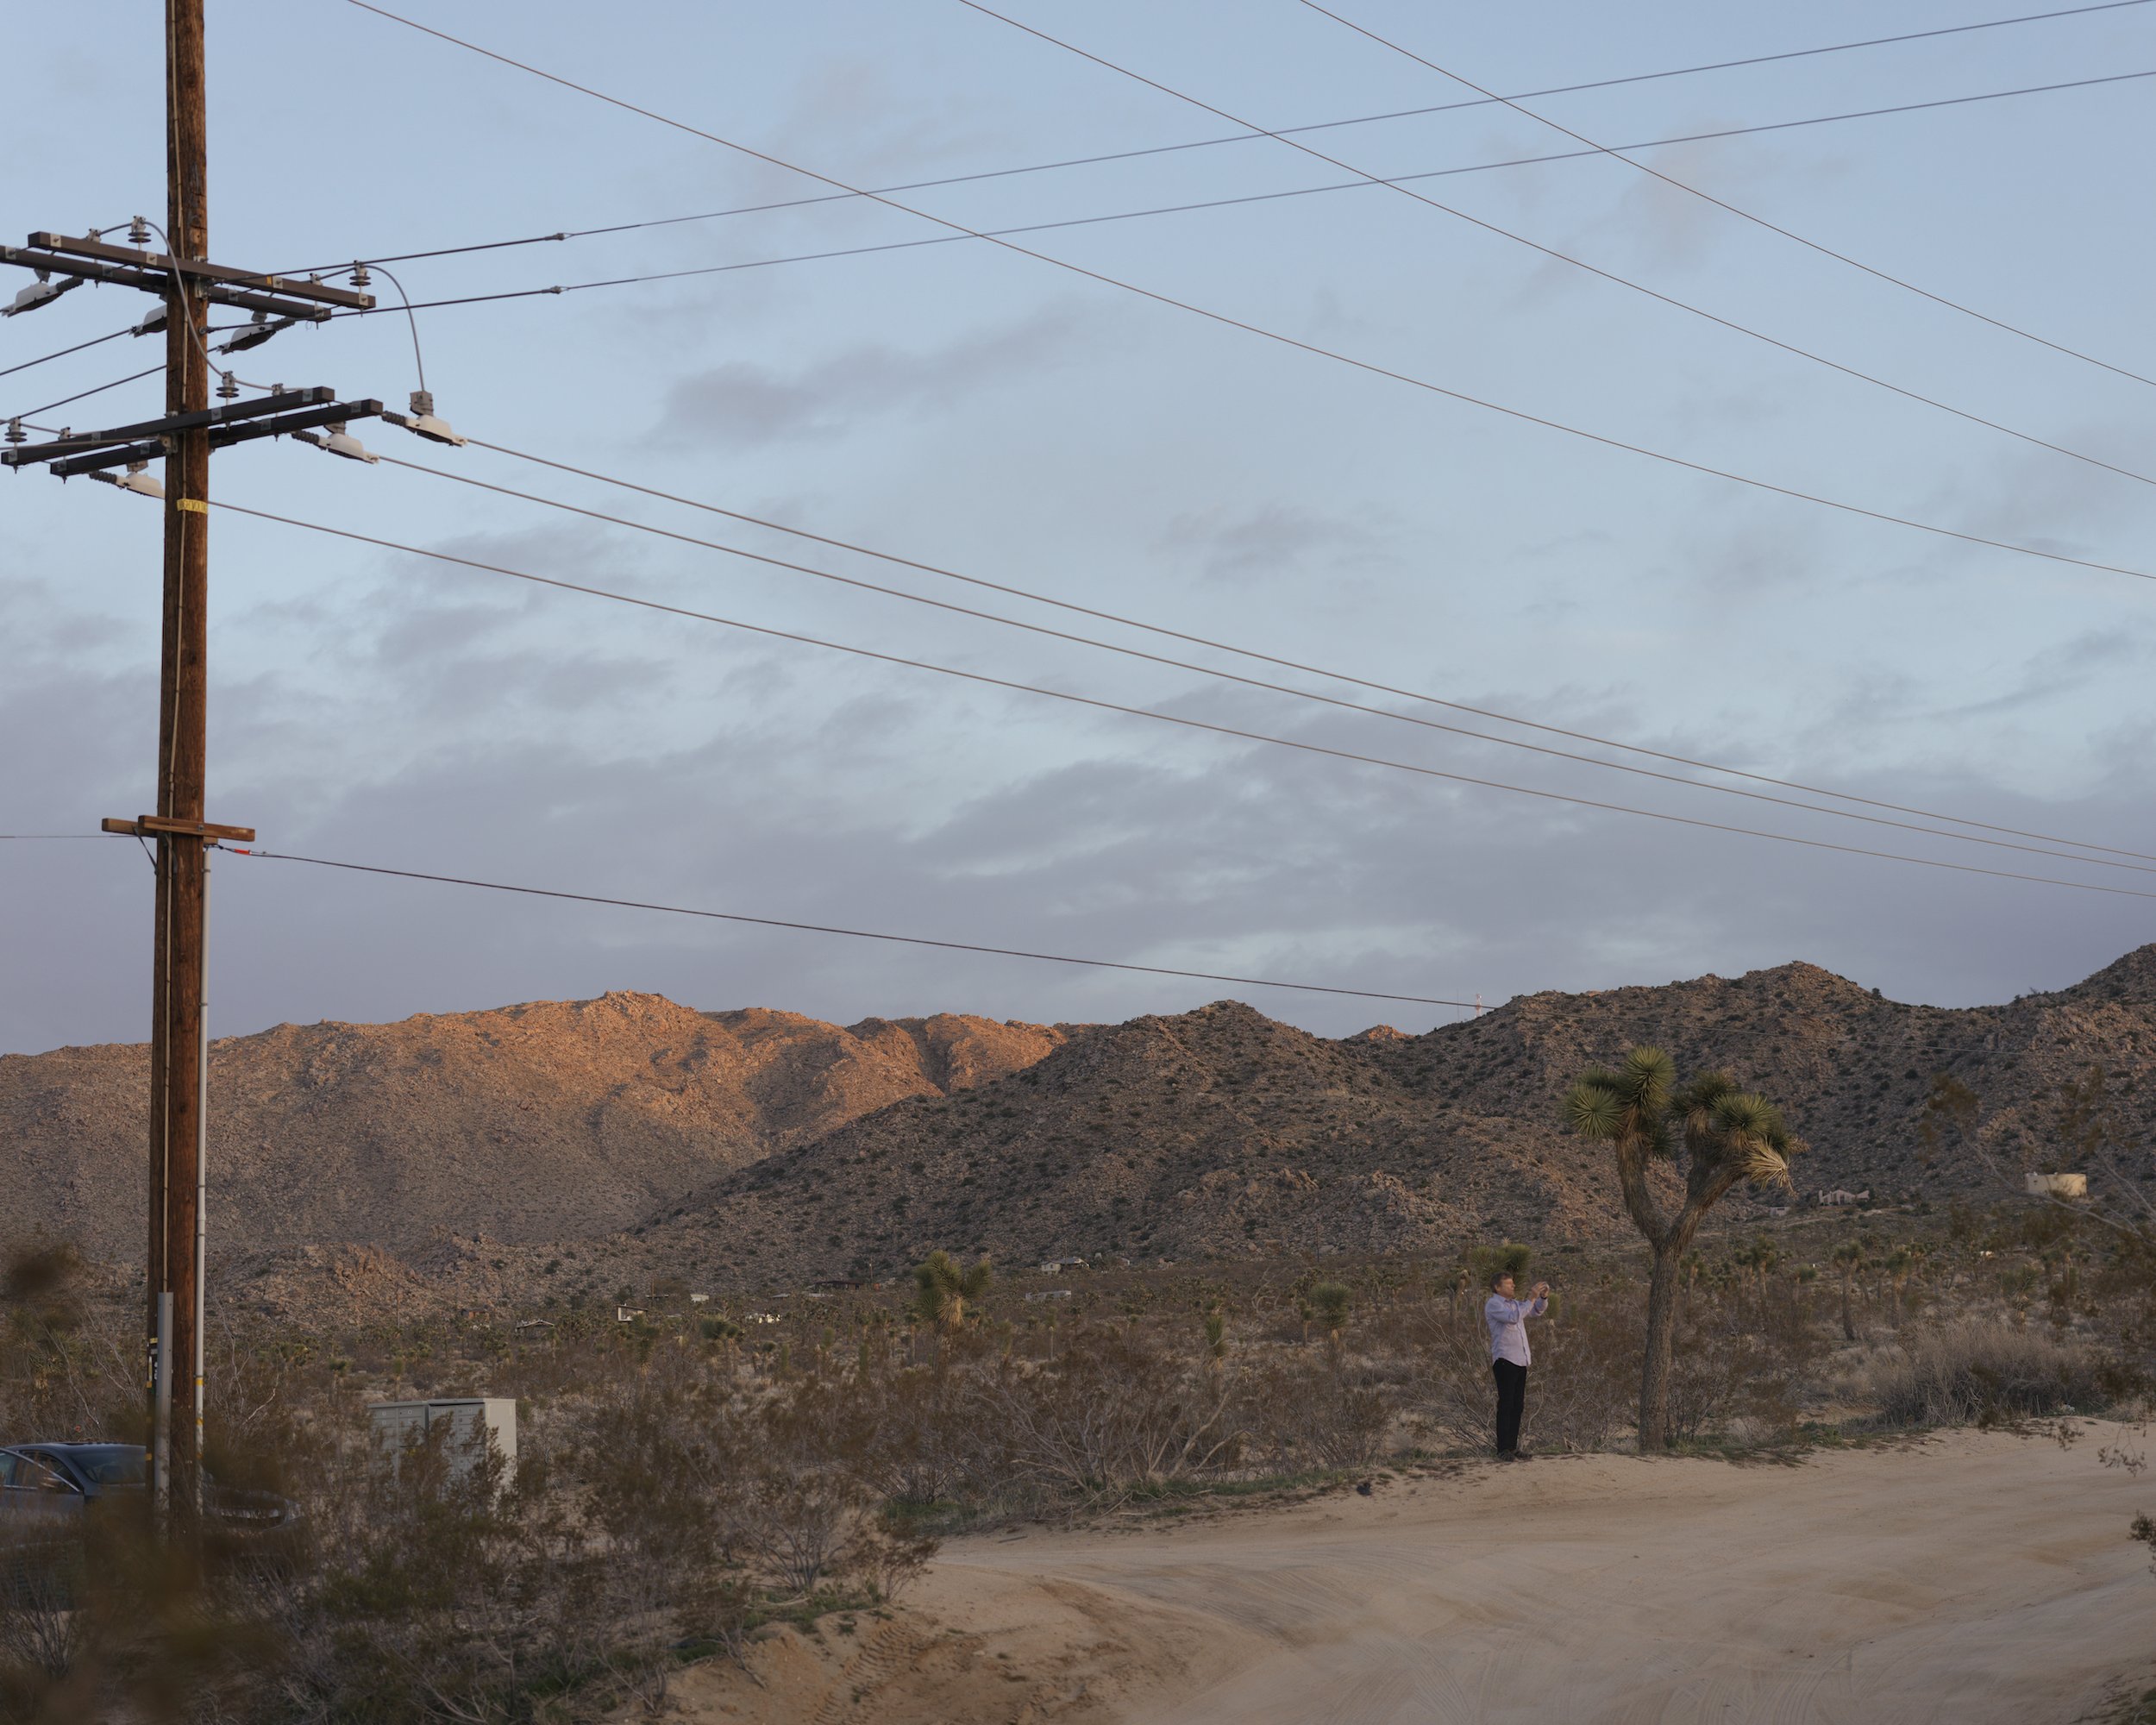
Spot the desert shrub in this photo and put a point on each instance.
(927, 1443)
(1111, 1413)
(1724, 1378)
(1980, 1369)
(447, 1587)
(1302, 1413)
(65, 1366)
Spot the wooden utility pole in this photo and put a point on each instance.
(176, 1032)
(190, 429)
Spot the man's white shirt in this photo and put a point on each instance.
(1508, 1326)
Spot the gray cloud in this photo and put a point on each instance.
(744, 403)
(1276, 539)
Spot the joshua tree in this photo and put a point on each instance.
(1717, 1134)
(1216, 1343)
(1507, 1257)
(1848, 1259)
(1950, 1109)
(1329, 1303)
(941, 1286)
(1899, 1265)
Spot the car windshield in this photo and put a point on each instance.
(111, 1464)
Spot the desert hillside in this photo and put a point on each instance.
(1222, 1131)
(756, 1146)
(547, 1121)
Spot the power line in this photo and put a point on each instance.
(1246, 681)
(1164, 209)
(1483, 101)
(93, 341)
(1563, 257)
(1284, 340)
(1195, 640)
(1723, 203)
(83, 395)
(851, 933)
(1185, 722)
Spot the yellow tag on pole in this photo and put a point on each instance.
(194, 505)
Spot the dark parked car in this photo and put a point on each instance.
(44, 1485)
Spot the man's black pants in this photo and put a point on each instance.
(1512, 1402)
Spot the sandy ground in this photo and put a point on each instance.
(1972, 1577)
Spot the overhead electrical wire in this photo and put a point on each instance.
(1136, 215)
(1723, 203)
(1552, 251)
(9, 371)
(1230, 322)
(826, 928)
(1333, 701)
(83, 395)
(1331, 675)
(1483, 101)
(1181, 720)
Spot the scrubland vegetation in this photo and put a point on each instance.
(691, 1476)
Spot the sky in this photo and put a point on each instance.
(991, 413)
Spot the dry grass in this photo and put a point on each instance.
(1979, 1370)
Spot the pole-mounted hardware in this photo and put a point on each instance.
(149, 826)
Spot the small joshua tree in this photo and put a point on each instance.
(1717, 1135)
(1216, 1343)
(941, 1286)
(1849, 1259)
(1329, 1305)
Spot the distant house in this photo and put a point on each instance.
(628, 1314)
(532, 1326)
(2055, 1185)
(1837, 1196)
(1052, 1266)
(836, 1283)
(699, 1299)
(760, 1318)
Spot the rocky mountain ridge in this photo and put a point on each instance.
(1220, 1131)
(753, 1147)
(546, 1120)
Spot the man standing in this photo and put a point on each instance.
(1510, 1354)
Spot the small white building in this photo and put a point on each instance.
(1052, 1266)
(1838, 1197)
(2055, 1185)
(395, 1427)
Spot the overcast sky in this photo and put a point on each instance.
(997, 415)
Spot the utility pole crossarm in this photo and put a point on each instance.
(144, 825)
(160, 281)
(306, 288)
(220, 436)
(76, 442)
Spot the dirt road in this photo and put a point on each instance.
(1972, 1577)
